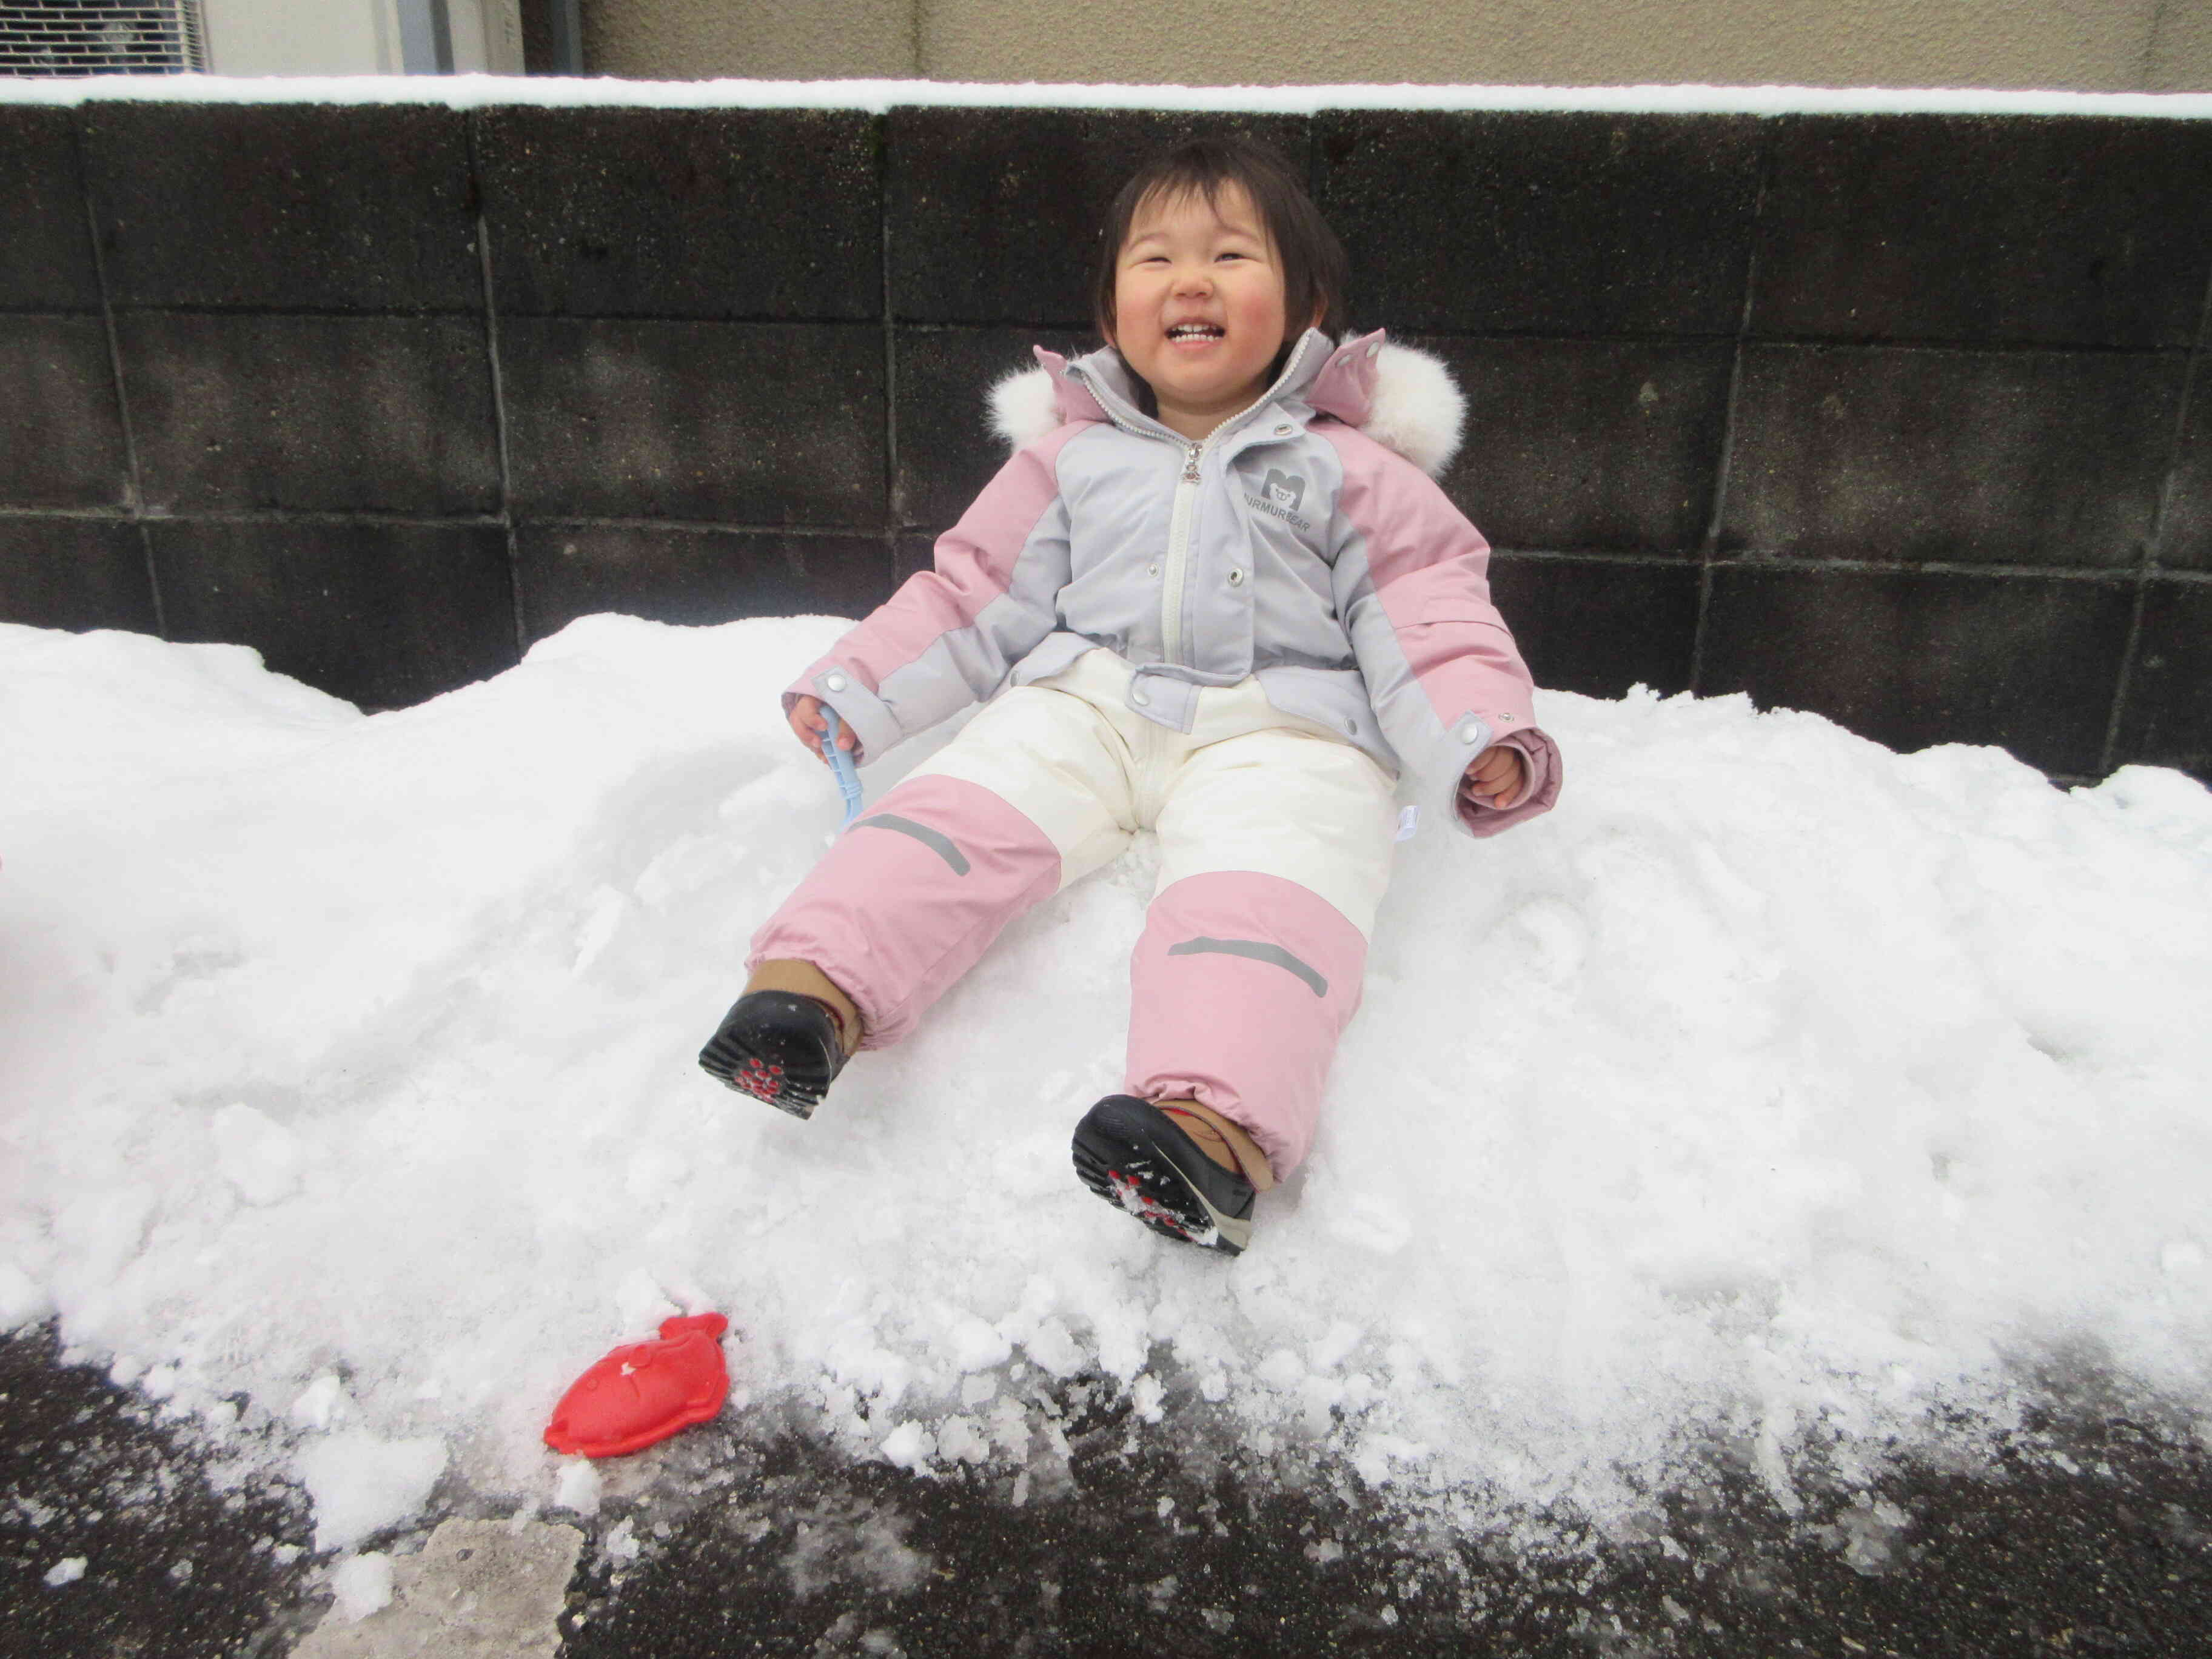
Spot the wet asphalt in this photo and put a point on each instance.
(2088, 1531)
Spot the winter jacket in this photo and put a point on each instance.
(1298, 544)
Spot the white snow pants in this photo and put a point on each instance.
(1275, 839)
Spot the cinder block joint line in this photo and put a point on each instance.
(1655, 558)
(340, 313)
(2109, 576)
(698, 526)
(1935, 346)
(134, 495)
(362, 517)
(2153, 551)
(499, 434)
(473, 151)
(1710, 543)
(336, 517)
(891, 531)
(94, 514)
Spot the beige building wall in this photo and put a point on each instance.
(487, 36)
(308, 37)
(352, 37)
(2098, 46)
(778, 40)
(2181, 47)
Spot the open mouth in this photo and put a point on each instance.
(1188, 333)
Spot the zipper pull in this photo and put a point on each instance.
(1190, 465)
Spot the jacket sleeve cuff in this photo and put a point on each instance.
(1543, 790)
(874, 727)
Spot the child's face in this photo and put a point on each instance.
(1197, 306)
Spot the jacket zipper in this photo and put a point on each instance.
(1186, 498)
(1179, 518)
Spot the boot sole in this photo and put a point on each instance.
(1117, 1159)
(769, 1053)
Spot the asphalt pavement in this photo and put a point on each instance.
(2088, 1531)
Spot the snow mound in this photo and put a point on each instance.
(1776, 1086)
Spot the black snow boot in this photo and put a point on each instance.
(779, 1047)
(1132, 1154)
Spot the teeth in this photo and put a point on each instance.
(1185, 331)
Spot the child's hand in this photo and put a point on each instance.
(1497, 777)
(806, 720)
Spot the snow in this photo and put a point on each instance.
(621, 1542)
(22, 1302)
(578, 1487)
(258, 1157)
(320, 1402)
(67, 1570)
(875, 96)
(362, 1585)
(1776, 1089)
(360, 1484)
(910, 1445)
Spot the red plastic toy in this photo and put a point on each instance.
(644, 1391)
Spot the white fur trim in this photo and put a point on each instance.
(1025, 406)
(1417, 409)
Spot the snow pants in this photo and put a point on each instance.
(1275, 838)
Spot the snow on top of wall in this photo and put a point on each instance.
(476, 91)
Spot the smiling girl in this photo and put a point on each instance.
(1215, 593)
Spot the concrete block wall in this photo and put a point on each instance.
(1898, 418)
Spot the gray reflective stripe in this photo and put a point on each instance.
(937, 844)
(1257, 951)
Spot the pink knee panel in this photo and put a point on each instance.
(911, 896)
(1241, 987)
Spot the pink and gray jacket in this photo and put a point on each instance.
(1298, 544)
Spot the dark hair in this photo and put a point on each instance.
(1315, 270)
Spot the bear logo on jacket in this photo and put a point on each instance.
(1281, 494)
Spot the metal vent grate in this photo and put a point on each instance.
(101, 37)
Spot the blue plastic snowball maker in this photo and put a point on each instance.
(840, 762)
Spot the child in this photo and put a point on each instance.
(1227, 610)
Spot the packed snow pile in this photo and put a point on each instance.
(1776, 1086)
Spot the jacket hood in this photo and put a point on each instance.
(1404, 399)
